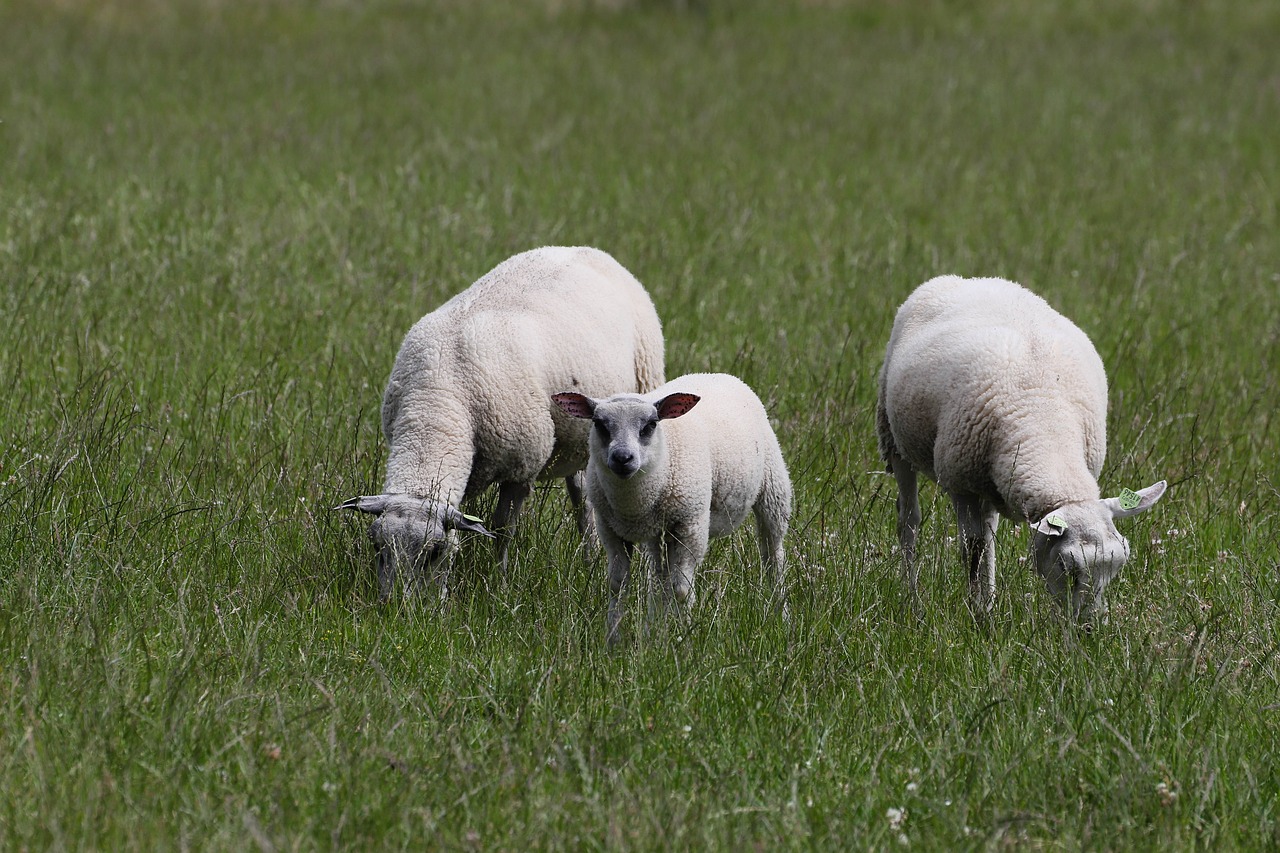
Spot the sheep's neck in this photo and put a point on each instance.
(427, 460)
(1049, 471)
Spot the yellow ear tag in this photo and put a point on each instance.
(1057, 521)
(1129, 499)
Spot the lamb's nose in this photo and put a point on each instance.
(622, 463)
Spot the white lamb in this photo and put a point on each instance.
(668, 476)
(1003, 402)
(468, 403)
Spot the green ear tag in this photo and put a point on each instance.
(1057, 521)
(473, 518)
(1129, 499)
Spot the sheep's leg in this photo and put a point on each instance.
(618, 552)
(661, 589)
(680, 551)
(978, 522)
(655, 584)
(511, 497)
(908, 521)
(771, 528)
(990, 523)
(582, 511)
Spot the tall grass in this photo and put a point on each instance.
(217, 220)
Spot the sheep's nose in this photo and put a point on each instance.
(622, 462)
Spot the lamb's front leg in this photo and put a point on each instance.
(618, 552)
(978, 522)
(680, 550)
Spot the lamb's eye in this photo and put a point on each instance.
(646, 431)
(601, 427)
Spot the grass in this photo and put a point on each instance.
(217, 220)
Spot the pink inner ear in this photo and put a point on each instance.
(573, 404)
(675, 405)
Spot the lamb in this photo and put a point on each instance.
(468, 402)
(668, 476)
(1002, 401)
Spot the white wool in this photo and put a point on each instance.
(1002, 401)
(468, 402)
(699, 476)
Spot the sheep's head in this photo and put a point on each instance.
(411, 534)
(625, 432)
(1078, 550)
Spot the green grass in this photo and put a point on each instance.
(217, 220)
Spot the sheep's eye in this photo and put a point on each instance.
(601, 427)
(646, 431)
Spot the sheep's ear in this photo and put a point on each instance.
(574, 404)
(455, 520)
(1131, 503)
(1051, 525)
(675, 405)
(374, 504)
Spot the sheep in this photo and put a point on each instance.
(668, 476)
(468, 401)
(1002, 401)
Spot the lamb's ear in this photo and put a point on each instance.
(1131, 503)
(574, 404)
(675, 405)
(455, 520)
(375, 504)
(1051, 525)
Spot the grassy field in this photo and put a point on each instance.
(218, 219)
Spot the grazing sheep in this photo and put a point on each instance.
(468, 403)
(668, 475)
(1003, 402)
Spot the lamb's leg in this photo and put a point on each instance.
(908, 521)
(772, 519)
(511, 497)
(680, 551)
(582, 511)
(618, 552)
(978, 522)
(655, 583)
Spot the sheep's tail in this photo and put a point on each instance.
(650, 352)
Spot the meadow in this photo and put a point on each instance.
(218, 219)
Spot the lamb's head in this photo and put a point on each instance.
(625, 436)
(1078, 549)
(411, 533)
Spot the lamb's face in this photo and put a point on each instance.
(624, 430)
(1078, 562)
(625, 436)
